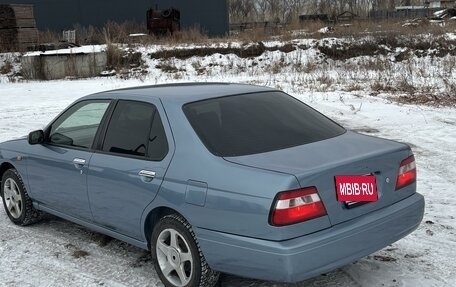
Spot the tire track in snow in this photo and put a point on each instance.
(44, 249)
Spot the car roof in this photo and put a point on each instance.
(181, 92)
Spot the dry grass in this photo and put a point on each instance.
(122, 59)
(275, 67)
(89, 35)
(325, 80)
(167, 66)
(439, 100)
(114, 56)
(382, 45)
(115, 32)
(6, 68)
(392, 27)
(48, 37)
(112, 32)
(247, 51)
(254, 35)
(379, 86)
(192, 35)
(404, 85)
(352, 87)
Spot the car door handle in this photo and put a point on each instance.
(147, 175)
(79, 162)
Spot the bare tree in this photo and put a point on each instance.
(288, 10)
(242, 10)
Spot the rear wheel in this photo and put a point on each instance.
(177, 257)
(16, 201)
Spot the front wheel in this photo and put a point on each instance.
(177, 257)
(16, 201)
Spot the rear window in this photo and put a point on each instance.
(256, 123)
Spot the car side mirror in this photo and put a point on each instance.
(36, 137)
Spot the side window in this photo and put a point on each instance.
(135, 130)
(78, 126)
(158, 145)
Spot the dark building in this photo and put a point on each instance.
(346, 16)
(211, 16)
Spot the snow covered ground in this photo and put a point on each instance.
(58, 253)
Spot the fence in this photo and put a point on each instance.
(406, 13)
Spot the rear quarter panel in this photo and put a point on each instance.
(238, 198)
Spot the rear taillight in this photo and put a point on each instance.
(407, 173)
(296, 206)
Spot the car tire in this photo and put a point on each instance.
(17, 203)
(183, 253)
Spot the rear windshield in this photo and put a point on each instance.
(256, 123)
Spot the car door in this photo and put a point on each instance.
(57, 169)
(127, 171)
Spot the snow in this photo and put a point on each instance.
(451, 36)
(108, 73)
(440, 12)
(307, 66)
(77, 50)
(44, 254)
(326, 30)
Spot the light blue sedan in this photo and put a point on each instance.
(214, 178)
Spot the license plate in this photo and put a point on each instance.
(356, 188)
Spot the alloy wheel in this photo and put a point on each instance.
(174, 257)
(13, 198)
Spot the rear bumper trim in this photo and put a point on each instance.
(307, 256)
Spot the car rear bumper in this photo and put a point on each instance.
(307, 256)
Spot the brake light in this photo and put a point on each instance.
(297, 206)
(407, 173)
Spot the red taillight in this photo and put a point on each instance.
(407, 173)
(296, 206)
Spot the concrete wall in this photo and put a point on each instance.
(59, 66)
(210, 15)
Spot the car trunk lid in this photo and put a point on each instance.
(316, 164)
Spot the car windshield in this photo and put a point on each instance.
(256, 123)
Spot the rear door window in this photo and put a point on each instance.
(135, 129)
(256, 123)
